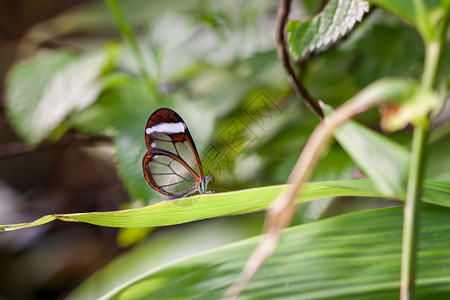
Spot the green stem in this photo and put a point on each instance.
(432, 53)
(417, 168)
(412, 210)
(128, 35)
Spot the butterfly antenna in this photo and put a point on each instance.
(217, 160)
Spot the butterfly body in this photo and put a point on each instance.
(172, 165)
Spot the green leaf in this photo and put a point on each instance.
(401, 8)
(121, 98)
(42, 91)
(337, 18)
(173, 244)
(386, 49)
(438, 159)
(353, 256)
(420, 13)
(232, 203)
(436, 192)
(379, 157)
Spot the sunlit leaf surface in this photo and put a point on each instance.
(233, 203)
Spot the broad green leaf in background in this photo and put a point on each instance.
(165, 247)
(353, 256)
(233, 203)
(401, 8)
(419, 13)
(167, 34)
(438, 160)
(379, 157)
(337, 18)
(385, 48)
(42, 91)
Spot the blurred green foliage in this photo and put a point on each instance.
(215, 63)
(197, 68)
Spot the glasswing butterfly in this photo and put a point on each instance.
(171, 165)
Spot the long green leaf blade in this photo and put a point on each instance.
(379, 157)
(353, 256)
(232, 203)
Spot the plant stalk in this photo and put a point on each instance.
(411, 227)
(412, 211)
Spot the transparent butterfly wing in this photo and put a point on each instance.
(171, 166)
(166, 174)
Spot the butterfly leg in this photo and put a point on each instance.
(182, 194)
(208, 192)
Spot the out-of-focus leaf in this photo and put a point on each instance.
(353, 256)
(170, 32)
(337, 18)
(444, 74)
(382, 159)
(438, 160)
(181, 242)
(401, 8)
(128, 237)
(386, 49)
(42, 91)
(122, 96)
(233, 203)
(411, 11)
(25, 85)
(379, 157)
